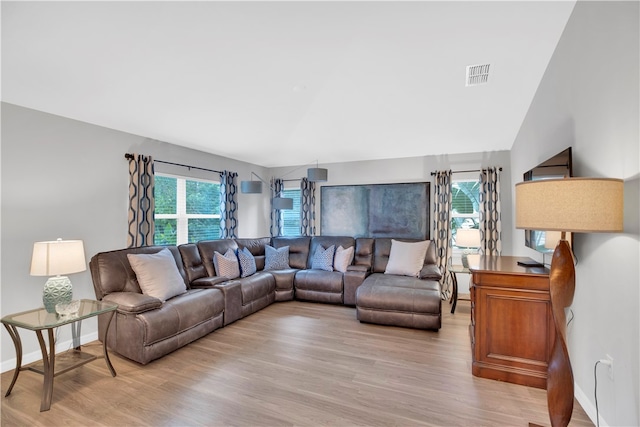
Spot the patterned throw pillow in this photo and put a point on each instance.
(226, 265)
(343, 258)
(247, 262)
(276, 259)
(323, 258)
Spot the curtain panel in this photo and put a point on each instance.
(442, 226)
(141, 201)
(228, 205)
(490, 212)
(307, 207)
(276, 229)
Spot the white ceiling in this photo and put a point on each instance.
(285, 83)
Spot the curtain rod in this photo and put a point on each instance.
(129, 156)
(470, 170)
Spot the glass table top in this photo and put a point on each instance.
(39, 318)
(458, 269)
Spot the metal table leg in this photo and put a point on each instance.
(49, 362)
(104, 345)
(454, 294)
(13, 332)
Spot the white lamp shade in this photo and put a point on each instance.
(468, 238)
(570, 204)
(57, 258)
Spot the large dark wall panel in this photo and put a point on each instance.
(376, 210)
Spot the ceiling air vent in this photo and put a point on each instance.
(477, 74)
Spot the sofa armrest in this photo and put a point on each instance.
(430, 272)
(232, 292)
(208, 282)
(353, 278)
(132, 302)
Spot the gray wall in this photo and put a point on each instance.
(588, 99)
(417, 169)
(65, 178)
(69, 179)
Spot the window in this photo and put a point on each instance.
(187, 210)
(291, 217)
(465, 203)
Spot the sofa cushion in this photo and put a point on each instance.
(257, 286)
(247, 262)
(276, 259)
(157, 274)
(319, 280)
(343, 258)
(226, 265)
(406, 259)
(323, 258)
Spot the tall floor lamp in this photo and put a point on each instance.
(580, 205)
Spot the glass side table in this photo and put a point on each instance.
(39, 320)
(453, 270)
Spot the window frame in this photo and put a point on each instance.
(296, 203)
(475, 216)
(181, 216)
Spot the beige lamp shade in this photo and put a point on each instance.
(468, 238)
(57, 257)
(571, 204)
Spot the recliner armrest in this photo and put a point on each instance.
(132, 302)
(208, 282)
(232, 292)
(430, 272)
(360, 268)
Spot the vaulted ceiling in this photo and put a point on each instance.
(285, 83)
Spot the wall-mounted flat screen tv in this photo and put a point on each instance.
(558, 166)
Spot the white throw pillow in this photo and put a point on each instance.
(406, 259)
(343, 258)
(226, 265)
(158, 274)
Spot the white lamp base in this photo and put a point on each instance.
(57, 290)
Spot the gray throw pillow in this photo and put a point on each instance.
(247, 262)
(323, 258)
(276, 259)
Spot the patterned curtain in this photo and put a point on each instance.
(277, 186)
(490, 212)
(228, 205)
(442, 226)
(141, 201)
(307, 207)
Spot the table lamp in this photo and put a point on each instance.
(467, 238)
(580, 205)
(56, 258)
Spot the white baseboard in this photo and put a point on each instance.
(588, 407)
(35, 356)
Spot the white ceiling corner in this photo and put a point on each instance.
(280, 83)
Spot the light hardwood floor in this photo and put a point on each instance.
(292, 363)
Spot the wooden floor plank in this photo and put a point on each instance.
(290, 364)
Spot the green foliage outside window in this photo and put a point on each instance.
(165, 194)
(202, 197)
(166, 232)
(465, 205)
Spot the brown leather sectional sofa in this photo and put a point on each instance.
(145, 328)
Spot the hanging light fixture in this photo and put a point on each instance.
(317, 174)
(252, 187)
(255, 187)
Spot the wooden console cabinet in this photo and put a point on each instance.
(512, 330)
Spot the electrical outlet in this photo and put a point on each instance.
(610, 366)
